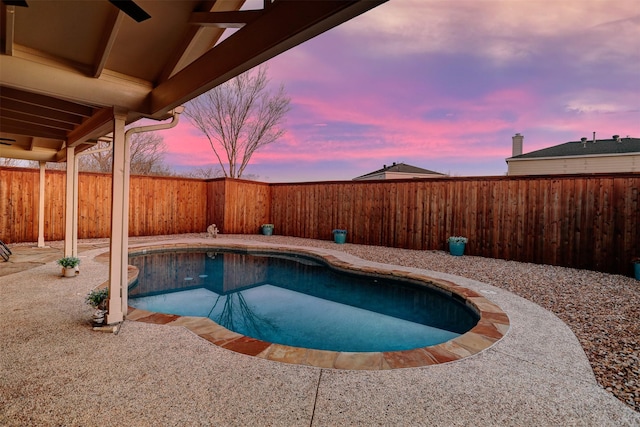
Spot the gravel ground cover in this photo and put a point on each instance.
(601, 309)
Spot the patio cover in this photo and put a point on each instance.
(73, 71)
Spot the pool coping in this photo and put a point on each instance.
(492, 326)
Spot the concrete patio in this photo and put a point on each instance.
(55, 370)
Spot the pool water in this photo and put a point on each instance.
(298, 301)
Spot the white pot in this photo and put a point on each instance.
(69, 272)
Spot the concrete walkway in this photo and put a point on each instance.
(54, 370)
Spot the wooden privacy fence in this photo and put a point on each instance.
(587, 222)
(582, 221)
(157, 205)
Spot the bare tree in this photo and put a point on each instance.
(239, 117)
(147, 156)
(99, 161)
(5, 161)
(204, 173)
(57, 166)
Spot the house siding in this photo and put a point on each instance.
(573, 165)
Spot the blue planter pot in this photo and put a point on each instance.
(456, 249)
(636, 270)
(340, 237)
(267, 231)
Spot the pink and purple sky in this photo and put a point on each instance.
(444, 85)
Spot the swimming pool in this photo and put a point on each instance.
(299, 301)
(493, 323)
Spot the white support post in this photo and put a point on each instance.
(74, 238)
(70, 215)
(119, 224)
(119, 261)
(41, 206)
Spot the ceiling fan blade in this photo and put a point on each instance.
(4, 143)
(8, 139)
(21, 3)
(131, 9)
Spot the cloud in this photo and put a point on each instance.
(602, 102)
(503, 31)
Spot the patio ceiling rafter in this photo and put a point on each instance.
(107, 41)
(8, 19)
(196, 40)
(232, 19)
(96, 126)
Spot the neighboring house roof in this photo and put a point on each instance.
(586, 148)
(401, 168)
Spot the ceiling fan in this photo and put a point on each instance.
(2, 141)
(131, 9)
(127, 6)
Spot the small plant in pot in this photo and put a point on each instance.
(69, 264)
(456, 245)
(267, 229)
(636, 267)
(97, 299)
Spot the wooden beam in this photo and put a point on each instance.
(31, 129)
(108, 39)
(100, 124)
(111, 89)
(45, 101)
(19, 153)
(284, 25)
(8, 15)
(39, 112)
(196, 41)
(28, 118)
(226, 19)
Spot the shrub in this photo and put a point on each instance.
(97, 297)
(69, 262)
(457, 239)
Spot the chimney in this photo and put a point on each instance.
(584, 141)
(517, 145)
(616, 138)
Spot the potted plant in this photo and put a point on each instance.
(69, 265)
(339, 235)
(97, 299)
(636, 267)
(456, 245)
(267, 229)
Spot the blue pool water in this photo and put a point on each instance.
(298, 301)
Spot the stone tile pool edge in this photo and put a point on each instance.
(492, 326)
